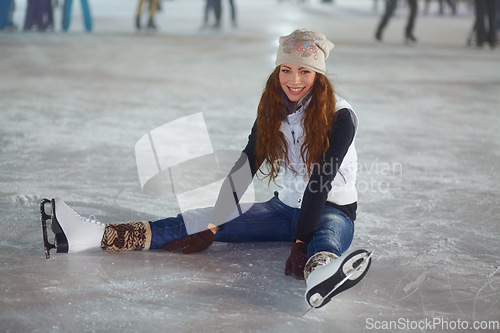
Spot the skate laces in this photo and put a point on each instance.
(92, 219)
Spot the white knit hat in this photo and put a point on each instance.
(304, 48)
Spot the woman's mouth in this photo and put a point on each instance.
(296, 90)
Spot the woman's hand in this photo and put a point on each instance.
(297, 260)
(194, 243)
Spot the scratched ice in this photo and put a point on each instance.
(74, 105)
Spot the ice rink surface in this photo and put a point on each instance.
(74, 104)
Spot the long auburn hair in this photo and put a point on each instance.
(271, 148)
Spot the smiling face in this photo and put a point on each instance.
(296, 81)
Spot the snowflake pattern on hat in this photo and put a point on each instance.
(303, 43)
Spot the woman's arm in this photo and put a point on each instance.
(236, 183)
(322, 176)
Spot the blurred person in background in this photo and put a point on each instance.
(486, 30)
(213, 6)
(390, 7)
(153, 6)
(7, 8)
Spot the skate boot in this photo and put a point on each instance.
(73, 233)
(327, 275)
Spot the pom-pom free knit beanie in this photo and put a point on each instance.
(304, 48)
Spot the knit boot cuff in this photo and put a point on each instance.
(127, 236)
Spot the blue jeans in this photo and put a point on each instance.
(270, 221)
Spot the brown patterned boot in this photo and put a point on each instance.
(126, 237)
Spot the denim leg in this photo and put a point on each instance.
(334, 233)
(166, 230)
(270, 221)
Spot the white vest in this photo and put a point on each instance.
(294, 178)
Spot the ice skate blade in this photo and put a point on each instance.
(61, 242)
(44, 217)
(344, 274)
